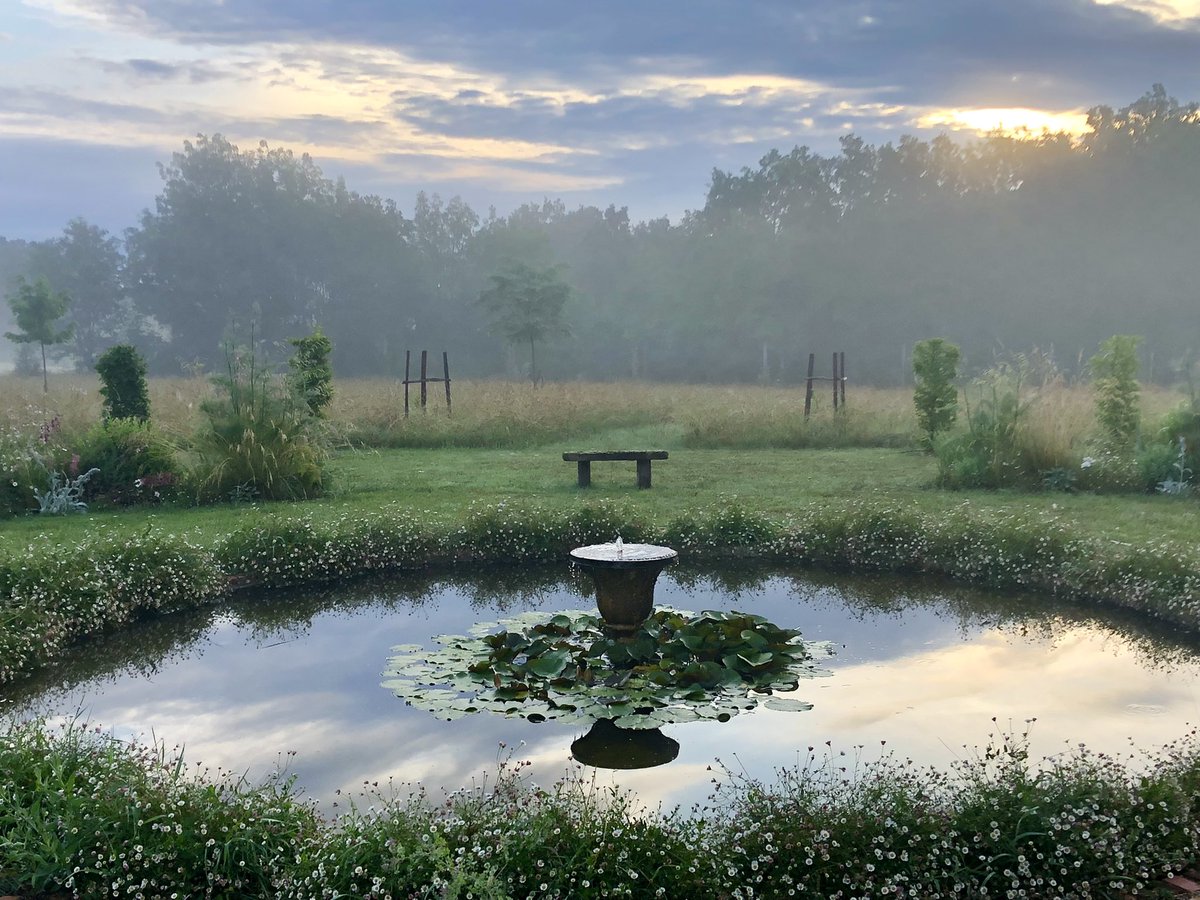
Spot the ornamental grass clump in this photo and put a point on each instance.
(261, 440)
(135, 462)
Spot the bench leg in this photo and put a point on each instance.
(585, 473)
(643, 472)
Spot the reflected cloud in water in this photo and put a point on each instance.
(921, 667)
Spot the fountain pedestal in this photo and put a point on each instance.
(624, 575)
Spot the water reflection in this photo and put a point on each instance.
(921, 667)
(608, 746)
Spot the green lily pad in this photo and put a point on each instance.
(679, 667)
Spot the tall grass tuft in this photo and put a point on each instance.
(260, 440)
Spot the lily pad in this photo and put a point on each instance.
(679, 667)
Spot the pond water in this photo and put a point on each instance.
(922, 667)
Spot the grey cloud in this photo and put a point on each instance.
(157, 70)
(1068, 52)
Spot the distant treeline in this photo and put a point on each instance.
(999, 244)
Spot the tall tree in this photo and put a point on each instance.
(234, 236)
(526, 306)
(37, 310)
(85, 263)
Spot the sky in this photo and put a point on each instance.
(507, 101)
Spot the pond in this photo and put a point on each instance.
(922, 670)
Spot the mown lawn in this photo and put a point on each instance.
(443, 483)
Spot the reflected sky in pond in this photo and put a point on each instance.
(924, 668)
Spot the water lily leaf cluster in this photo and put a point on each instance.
(678, 667)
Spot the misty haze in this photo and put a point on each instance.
(678, 449)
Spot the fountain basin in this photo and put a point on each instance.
(624, 575)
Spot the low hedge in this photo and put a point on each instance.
(88, 814)
(52, 595)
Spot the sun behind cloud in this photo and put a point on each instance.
(1013, 121)
(1171, 12)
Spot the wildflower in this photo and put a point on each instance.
(1087, 463)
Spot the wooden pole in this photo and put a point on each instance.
(842, 376)
(407, 360)
(446, 374)
(812, 361)
(424, 378)
(835, 381)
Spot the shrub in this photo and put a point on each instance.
(935, 364)
(988, 454)
(137, 462)
(122, 373)
(260, 440)
(23, 469)
(312, 376)
(1114, 371)
(1183, 424)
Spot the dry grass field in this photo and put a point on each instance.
(1060, 417)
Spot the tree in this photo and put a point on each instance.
(86, 262)
(935, 363)
(526, 305)
(37, 310)
(1114, 374)
(122, 373)
(228, 228)
(312, 376)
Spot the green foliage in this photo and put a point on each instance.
(37, 310)
(312, 375)
(260, 439)
(677, 667)
(64, 494)
(137, 462)
(1079, 825)
(1114, 376)
(23, 466)
(123, 383)
(993, 823)
(52, 596)
(989, 453)
(1183, 426)
(70, 798)
(526, 306)
(935, 365)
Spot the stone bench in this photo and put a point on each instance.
(584, 462)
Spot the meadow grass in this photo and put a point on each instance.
(505, 414)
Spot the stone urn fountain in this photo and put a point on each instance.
(624, 575)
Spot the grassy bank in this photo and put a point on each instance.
(84, 813)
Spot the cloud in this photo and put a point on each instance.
(533, 97)
(159, 70)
